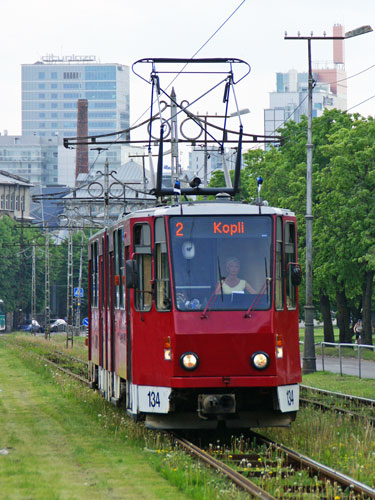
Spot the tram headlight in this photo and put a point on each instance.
(189, 361)
(260, 360)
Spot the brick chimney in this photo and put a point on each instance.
(338, 45)
(82, 152)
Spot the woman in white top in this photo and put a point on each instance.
(232, 282)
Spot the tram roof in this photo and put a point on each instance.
(210, 208)
(203, 208)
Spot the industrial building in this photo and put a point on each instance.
(289, 101)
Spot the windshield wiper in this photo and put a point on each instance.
(221, 278)
(213, 297)
(260, 294)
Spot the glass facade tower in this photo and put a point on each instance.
(51, 88)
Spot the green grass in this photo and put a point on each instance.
(334, 440)
(65, 442)
(61, 446)
(345, 384)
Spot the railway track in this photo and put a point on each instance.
(273, 472)
(279, 472)
(346, 404)
(57, 362)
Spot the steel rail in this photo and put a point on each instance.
(236, 477)
(321, 470)
(67, 372)
(337, 409)
(72, 357)
(367, 401)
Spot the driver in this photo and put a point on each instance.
(232, 283)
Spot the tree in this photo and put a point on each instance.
(16, 243)
(341, 274)
(350, 180)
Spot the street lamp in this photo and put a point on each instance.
(309, 359)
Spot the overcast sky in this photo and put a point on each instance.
(123, 31)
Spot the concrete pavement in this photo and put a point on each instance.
(349, 366)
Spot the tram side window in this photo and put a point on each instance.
(142, 249)
(163, 289)
(121, 261)
(290, 257)
(279, 295)
(102, 278)
(119, 268)
(94, 275)
(116, 268)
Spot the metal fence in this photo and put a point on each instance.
(360, 347)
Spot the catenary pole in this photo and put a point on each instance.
(309, 358)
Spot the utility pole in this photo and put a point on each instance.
(21, 271)
(309, 358)
(33, 284)
(69, 290)
(78, 311)
(174, 135)
(143, 156)
(106, 192)
(47, 309)
(205, 153)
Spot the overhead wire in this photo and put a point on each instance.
(197, 52)
(174, 79)
(362, 102)
(170, 83)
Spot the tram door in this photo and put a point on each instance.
(128, 333)
(111, 311)
(286, 296)
(101, 305)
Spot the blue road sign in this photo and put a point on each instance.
(85, 322)
(78, 292)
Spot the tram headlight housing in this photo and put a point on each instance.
(260, 360)
(167, 349)
(189, 361)
(279, 347)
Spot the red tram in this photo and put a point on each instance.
(193, 307)
(167, 338)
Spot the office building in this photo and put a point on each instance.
(51, 89)
(52, 86)
(31, 157)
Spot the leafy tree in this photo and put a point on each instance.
(340, 140)
(16, 242)
(350, 181)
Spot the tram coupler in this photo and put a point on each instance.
(216, 404)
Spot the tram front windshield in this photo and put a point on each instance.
(223, 263)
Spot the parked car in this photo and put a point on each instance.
(31, 326)
(58, 325)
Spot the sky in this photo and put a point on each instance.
(123, 31)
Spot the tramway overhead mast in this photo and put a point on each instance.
(169, 110)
